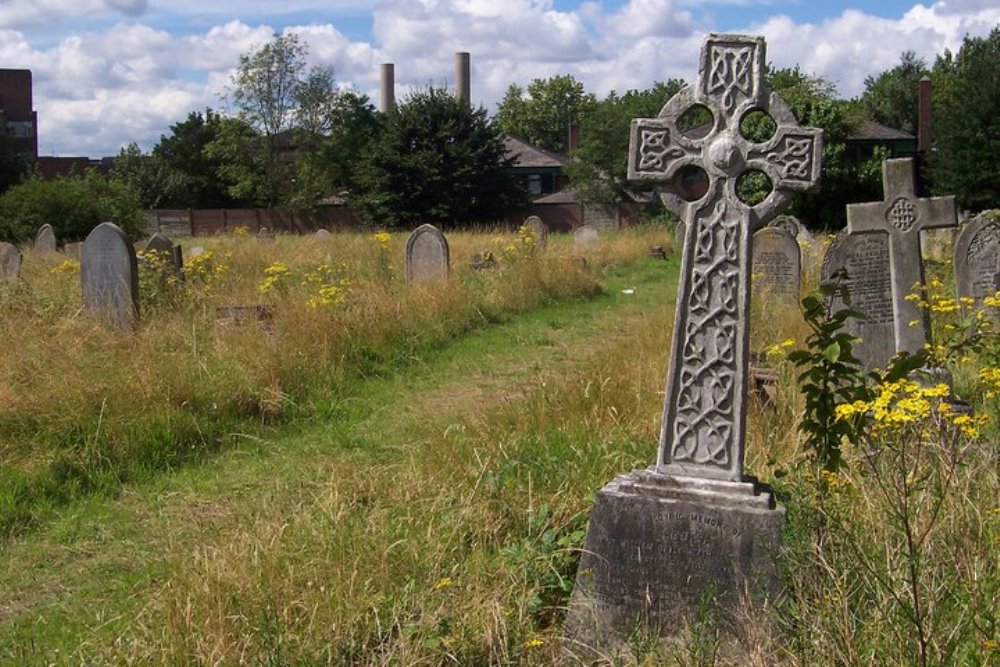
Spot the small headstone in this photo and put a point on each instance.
(45, 239)
(482, 260)
(777, 264)
(72, 249)
(196, 250)
(860, 263)
(586, 238)
(977, 257)
(539, 231)
(427, 256)
(165, 248)
(109, 276)
(264, 235)
(10, 262)
(229, 317)
(693, 533)
(657, 252)
(322, 235)
(901, 216)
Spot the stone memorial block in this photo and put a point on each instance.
(171, 254)
(901, 216)
(196, 250)
(481, 261)
(777, 264)
(586, 238)
(693, 531)
(538, 230)
(977, 257)
(264, 235)
(10, 262)
(322, 235)
(45, 239)
(109, 276)
(860, 262)
(427, 256)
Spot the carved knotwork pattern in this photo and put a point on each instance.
(793, 157)
(730, 74)
(986, 240)
(704, 423)
(902, 214)
(656, 151)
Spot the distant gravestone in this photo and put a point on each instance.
(860, 263)
(693, 533)
(264, 235)
(172, 254)
(901, 216)
(586, 238)
(777, 264)
(109, 276)
(196, 250)
(322, 235)
(232, 317)
(538, 230)
(72, 249)
(977, 257)
(45, 239)
(10, 262)
(427, 255)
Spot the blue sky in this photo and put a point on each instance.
(109, 72)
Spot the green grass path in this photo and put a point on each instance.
(83, 577)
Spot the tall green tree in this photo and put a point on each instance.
(598, 171)
(153, 181)
(183, 151)
(966, 123)
(890, 98)
(542, 114)
(434, 160)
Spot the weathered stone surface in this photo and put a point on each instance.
(322, 235)
(10, 262)
(45, 239)
(586, 238)
(977, 257)
(196, 250)
(633, 567)
(482, 261)
(901, 216)
(109, 276)
(538, 230)
(264, 235)
(860, 262)
(171, 254)
(73, 249)
(427, 255)
(777, 264)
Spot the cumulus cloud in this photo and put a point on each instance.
(33, 13)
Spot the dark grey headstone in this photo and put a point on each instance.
(10, 262)
(861, 263)
(45, 239)
(777, 265)
(427, 255)
(586, 238)
(109, 276)
(539, 231)
(171, 254)
(977, 257)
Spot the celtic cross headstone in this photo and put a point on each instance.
(902, 216)
(693, 529)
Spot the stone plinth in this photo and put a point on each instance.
(662, 548)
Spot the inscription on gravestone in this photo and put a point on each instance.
(977, 257)
(427, 255)
(694, 531)
(109, 276)
(777, 264)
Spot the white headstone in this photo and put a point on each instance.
(427, 255)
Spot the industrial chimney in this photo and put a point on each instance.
(924, 115)
(387, 100)
(462, 77)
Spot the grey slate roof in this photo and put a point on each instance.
(869, 130)
(527, 156)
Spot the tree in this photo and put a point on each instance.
(543, 117)
(148, 176)
(434, 160)
(244, 164)
(599, 167)
(891, 97)
(966, 124)
(184, 153)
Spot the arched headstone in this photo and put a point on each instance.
(538, 230)
(10, 262)
(45, 239)
(322, 235)
(427, 255)
(586, 238)
(777, 264)
(109, 276)
(172, 254)
(977, 257)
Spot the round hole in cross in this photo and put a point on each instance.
(696, 122)
(753, 187)
(690, 183)
(757, 126)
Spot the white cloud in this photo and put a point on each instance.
(32, 13)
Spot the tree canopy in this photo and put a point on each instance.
(890, 98)
(542, 114)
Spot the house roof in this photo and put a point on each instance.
(869, 130)
(527, 156)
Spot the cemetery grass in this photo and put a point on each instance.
(431, 516)
(86, 409)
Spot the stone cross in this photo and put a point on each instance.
(902, 216)
(704, 415)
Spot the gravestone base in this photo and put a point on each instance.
(662, 550)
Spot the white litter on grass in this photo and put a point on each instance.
(629, 290)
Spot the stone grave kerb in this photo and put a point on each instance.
(705, 405)
(902, 216)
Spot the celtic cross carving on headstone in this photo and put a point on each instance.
(704, 414)
(902, 216)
